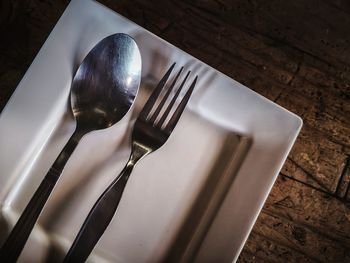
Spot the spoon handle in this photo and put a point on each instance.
(18, 237)
(98, 219)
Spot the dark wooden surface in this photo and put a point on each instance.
(296, 53)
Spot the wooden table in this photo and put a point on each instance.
(296, 53)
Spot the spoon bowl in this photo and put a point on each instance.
(103, 90)
(106, 83)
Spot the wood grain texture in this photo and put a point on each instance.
(296, 53)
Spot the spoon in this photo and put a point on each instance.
(103, 90)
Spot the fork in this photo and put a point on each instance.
(150, 132)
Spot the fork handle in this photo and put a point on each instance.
(19, 235)
(99, 218)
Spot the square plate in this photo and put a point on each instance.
(195, 199)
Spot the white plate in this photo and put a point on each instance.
(195, 199)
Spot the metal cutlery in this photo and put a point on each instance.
(103, 90)
(151, 130)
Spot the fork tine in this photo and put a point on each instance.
(168, 109)
(161, 104)
(177, 114)
(155, 94)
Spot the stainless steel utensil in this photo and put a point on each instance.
(103, 90)
(148, 135)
